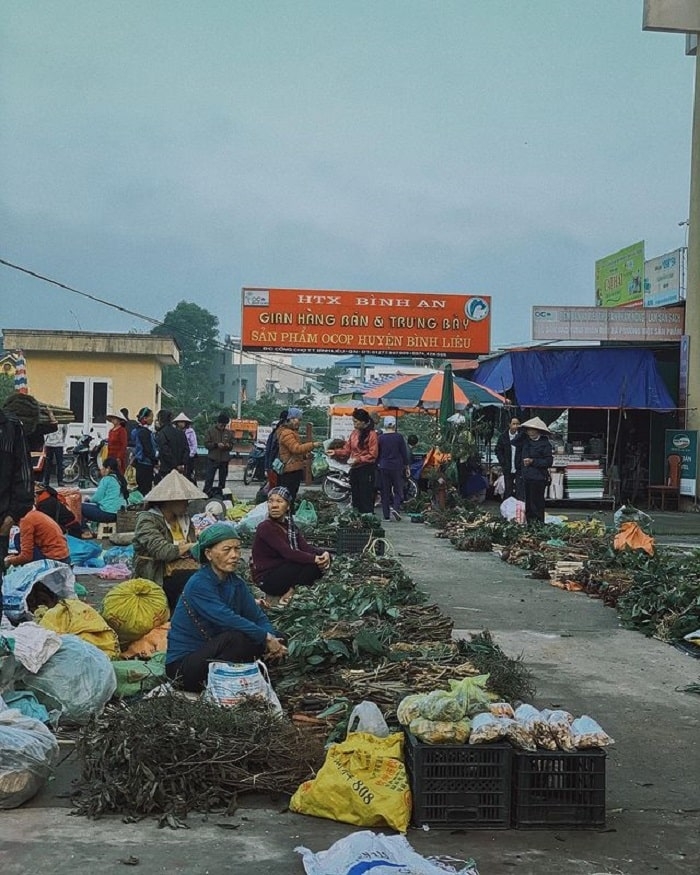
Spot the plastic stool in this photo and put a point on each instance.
(104, 530)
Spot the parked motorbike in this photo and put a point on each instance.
(82, 462)
(255, 466)
(336, 483)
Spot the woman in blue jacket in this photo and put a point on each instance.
(110, 496)
(216, 617)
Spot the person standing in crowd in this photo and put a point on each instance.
(131, 424)
(293, 452)
(111, 495)
(361, 451)
(40, 537)
(145, 450)
(117, 439)
(164, 535)
(272, 449)
(219, 443)
(393, 465)
(217, 618)
(281, 558)
(508, 455)
(172, 445)
(16, 488)
(536, 460)
(54, 444)
(183, 422)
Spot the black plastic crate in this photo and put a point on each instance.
(459, 785)
(559, 789)
(355, 540)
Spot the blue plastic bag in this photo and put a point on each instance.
(82, 551)
(18, 582)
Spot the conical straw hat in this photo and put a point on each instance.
(182, 417)
(536, 423)
(174, 487)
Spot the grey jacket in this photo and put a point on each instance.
(153, 544)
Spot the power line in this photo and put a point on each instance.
(291, 369)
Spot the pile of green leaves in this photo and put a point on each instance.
(356, 588)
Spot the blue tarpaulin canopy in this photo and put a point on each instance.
(603, 378)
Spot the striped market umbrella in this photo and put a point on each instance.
(425, 391)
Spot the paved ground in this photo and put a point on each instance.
(581, 659)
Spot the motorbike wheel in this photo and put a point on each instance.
(335, 492)
(249, 472)
(410, 490)
(94, 472)
(71, 470)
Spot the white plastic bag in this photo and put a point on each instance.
(499, 487)
(252, 519)
(78, 680)
(34, 645)
(513, 509)
(28, 752)
(366, 717)
(367, 851)
(630, 514)
(18, 582)
(228, 683)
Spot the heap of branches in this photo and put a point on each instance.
(168, 756)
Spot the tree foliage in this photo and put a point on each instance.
(196, 332)
(7, 387)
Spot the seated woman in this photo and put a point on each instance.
(217, 617)
(110, 496)
(164, 536)
(40, 537)
(281, 557)
(47, 501)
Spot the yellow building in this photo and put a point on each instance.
(93, 373)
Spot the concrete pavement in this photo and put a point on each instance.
(581, 659)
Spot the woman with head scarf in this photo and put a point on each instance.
(111, 495)
(361, 451)
(117, 439)
(293, 451)
(281, 558)
(164, 536)
(536, 458)
(145, 450)
(217, 618)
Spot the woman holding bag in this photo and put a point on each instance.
(217, 618)
(361, 451)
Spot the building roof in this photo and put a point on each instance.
(163, 347)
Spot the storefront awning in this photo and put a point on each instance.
(603, 378)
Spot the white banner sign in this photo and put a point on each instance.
(604, 323)
(664, 279)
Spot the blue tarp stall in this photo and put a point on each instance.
(589, 378)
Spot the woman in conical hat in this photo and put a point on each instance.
(164, 535)
(536, 459)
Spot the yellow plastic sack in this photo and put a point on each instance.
(362, 782)
(135, 607)
(73, 617)
(632, 536)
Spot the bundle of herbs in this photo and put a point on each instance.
(169, 756)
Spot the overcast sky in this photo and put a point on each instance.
(165, 151)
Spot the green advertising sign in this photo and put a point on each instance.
(684, 443)
(619, 278)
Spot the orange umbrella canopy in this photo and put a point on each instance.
(425, 391)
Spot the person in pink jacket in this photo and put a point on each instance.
(361, 451)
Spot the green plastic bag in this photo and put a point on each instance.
(319, 463)
(135, 676)
(306, 516)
